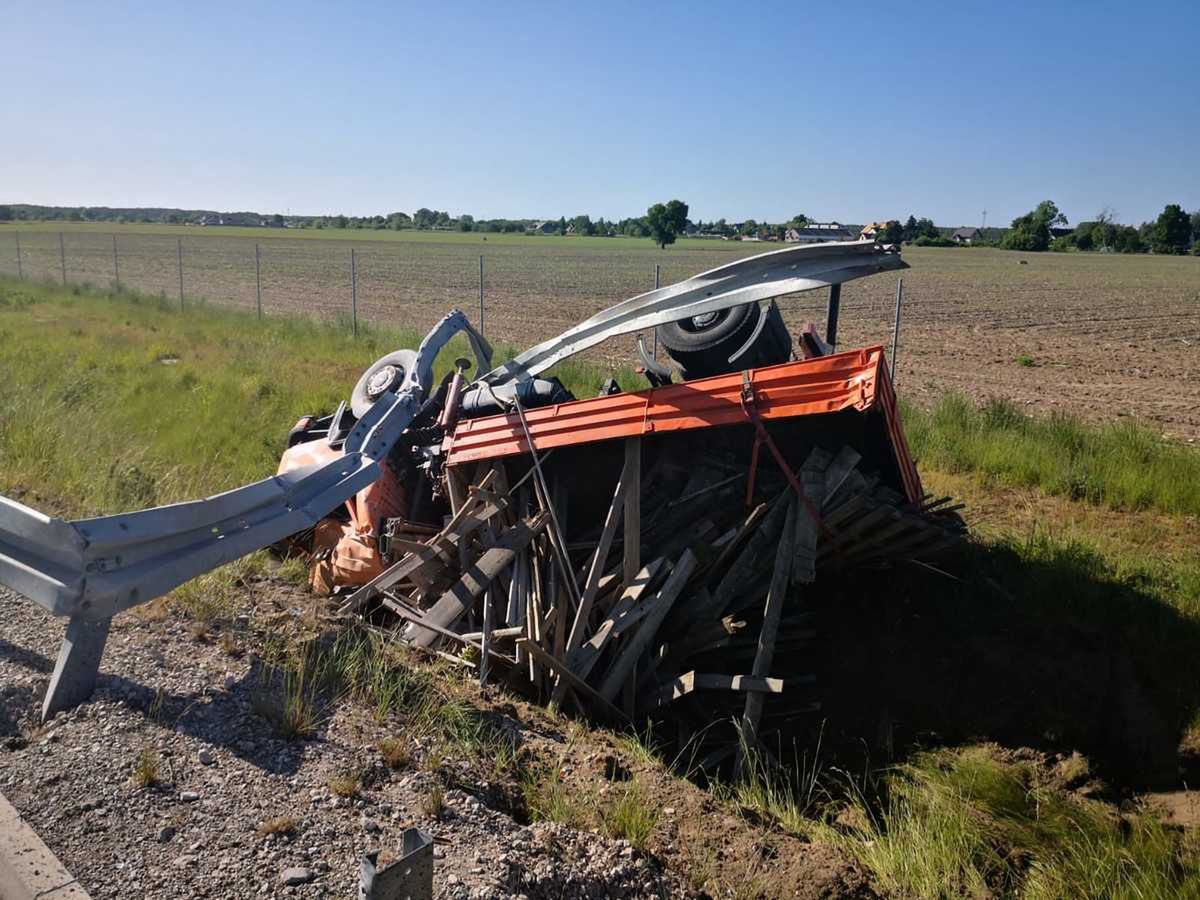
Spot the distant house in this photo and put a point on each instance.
(1060, 230)
(818, 233)
(548, 227)
(966, 235)
(871, 232)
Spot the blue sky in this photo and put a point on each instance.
(848, 111)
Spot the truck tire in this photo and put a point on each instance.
(702, 345)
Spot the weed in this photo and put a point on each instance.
(640, 747)
(345, 784)
(288, 700)
(396, 753)
(285, 826)
(229, 645)
(548, 799)
(631, 817)
(146, 771)
(433, 801)
(1026, 361)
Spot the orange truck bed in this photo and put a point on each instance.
(857, 379)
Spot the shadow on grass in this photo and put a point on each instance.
(1040, 644)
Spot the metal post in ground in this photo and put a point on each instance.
(116, 265)
(258, 280)
(481, 293)
(831, 315)
(17, 235)
(353, 294)
(179, 249)
(657, 274)
(62, 257)
(896, 327)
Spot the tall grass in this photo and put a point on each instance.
(118, 401)
(1122, 465)
(958, 824)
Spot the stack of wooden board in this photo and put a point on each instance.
(677, 594)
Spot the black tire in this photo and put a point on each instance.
(364, 395)
(771, 346)
(702, 345)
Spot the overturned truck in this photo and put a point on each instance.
(637, 554)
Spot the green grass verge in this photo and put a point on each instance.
(1122, 465)
(115, 402)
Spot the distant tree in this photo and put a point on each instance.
(798, 221)
(583, 225)
(910, 228)
(6, 214)
(1128, 240)
(666, 221)
(924, 228)
(277, 220)
(340, 221)
(893, 233)
(1031, 232)
(466, 223)
(171, 218)
(749, 228)
(1172, 233)
(1196, 227)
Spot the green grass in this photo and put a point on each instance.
(120, 402)
(1122, 465)
(964, 823)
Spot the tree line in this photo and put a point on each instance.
(1043, 228)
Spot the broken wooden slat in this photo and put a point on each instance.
(622, 667)
(624, 615)
(596, 569)
(571, 678)
(475, 580)
(633, 509)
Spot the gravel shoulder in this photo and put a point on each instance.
(190, 707)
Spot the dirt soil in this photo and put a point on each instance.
(223, 774)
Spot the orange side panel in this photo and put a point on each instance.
(856, 379)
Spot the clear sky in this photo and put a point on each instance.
(854, 111)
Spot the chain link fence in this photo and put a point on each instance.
(524, 290)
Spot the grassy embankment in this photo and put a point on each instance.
(113, 403)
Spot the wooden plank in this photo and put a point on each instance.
(633, 509)
(596, 569)
(577, 683)
(715, 681)
(456, 601)
(622, 667)
(624, 615)
(776, 593)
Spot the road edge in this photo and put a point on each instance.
(28, 868)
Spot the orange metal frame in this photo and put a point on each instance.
(857, 379)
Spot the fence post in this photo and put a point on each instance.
(179, 248)
(353, 293)
(481, 293)
(896, 327)
(20, 274)
(116, 265)
(62, 258)
(657, 273)
(258, 280)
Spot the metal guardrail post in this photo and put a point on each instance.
(408, 878)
